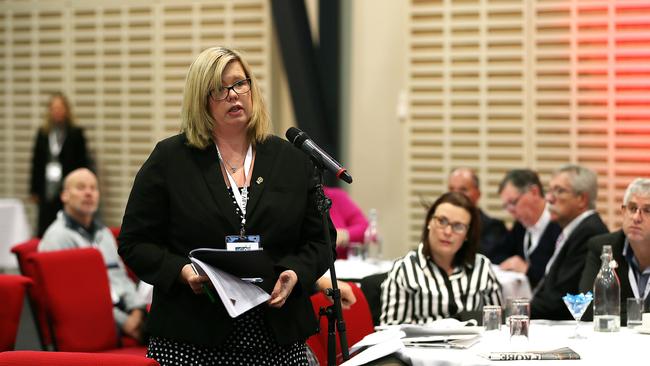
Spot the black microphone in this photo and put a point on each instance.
(304, 143)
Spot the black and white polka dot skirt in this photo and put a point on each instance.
(250, 343)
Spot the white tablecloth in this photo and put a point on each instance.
(14, 228)
(626, 346)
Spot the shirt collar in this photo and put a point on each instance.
(422, 258)
(628, 254)
(575, 222)
(541, 223)
(88, 233)
(423, 261)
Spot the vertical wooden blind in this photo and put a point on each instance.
(123, 65)
(501, 84)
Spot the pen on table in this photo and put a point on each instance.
(252, 279)
(205, 288)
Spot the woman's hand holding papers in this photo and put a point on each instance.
(196, 282)
(283, 288)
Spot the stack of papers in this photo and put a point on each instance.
(238, 296)
(239, 277)
(445, 333)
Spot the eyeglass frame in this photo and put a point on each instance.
(442, 223)
(644, 210)
(513, 204)
(232, 87)
(557, 191)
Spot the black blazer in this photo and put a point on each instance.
(592, 267)
(493, 232)
(179, 202)
(73, 155)
(542, 253)
(564, 275)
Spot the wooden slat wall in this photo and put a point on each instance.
(496, 85)
(123, 66)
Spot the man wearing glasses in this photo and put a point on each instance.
(572, 204)
(531, 242)
(630, 246)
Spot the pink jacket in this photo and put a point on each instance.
(347, 215)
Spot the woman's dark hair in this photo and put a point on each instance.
(467, 252)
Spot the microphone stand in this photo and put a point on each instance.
(333, 312)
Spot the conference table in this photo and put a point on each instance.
(14, 229)
(625, 347)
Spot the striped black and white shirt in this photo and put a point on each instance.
(417, 291)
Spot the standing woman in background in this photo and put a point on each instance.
(222, 177)
(60, 148)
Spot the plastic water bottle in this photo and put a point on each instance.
(371, 237)
(607, 295)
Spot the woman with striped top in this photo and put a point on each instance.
(444, 277)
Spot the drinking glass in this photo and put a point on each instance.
(577, 305)
(519, 306)
(634, 311)
(519, 325)
(492, 317)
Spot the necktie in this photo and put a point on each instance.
(529, 243)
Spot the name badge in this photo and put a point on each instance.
(246, 242)
(53, 171)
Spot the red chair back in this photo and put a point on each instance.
(358, 323)
(78, 301)
(35, 294)
(29, 358)
(12, 293)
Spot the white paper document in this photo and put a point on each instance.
(238, 296)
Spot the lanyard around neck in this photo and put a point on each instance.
(240, 198)
(633, 283)
(56, 142)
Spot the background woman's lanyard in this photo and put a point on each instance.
(241, 198)
(56, 143)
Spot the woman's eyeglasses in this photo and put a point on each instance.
(457, 227)
(242, 86)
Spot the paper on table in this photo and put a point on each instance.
(377, 337)
(461, 341)
(564, 353)
(237, 296)
(439, 327)
(375, 352)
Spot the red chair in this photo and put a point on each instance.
(30, 358)
(358, 324)
(35, 294)
(78, 301)
(115, 230)
(12, 293)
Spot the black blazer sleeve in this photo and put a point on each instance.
(510, 245)
(40, 155)
(564, 275)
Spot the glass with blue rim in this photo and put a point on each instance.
(577, 305)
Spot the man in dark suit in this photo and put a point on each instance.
(531, 242)
(572, 198)
(630, 246)
(493, 230)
